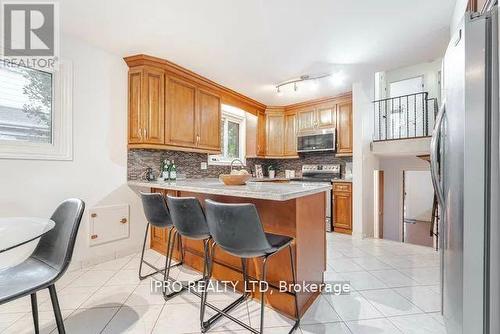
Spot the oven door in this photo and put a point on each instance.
(318, 141)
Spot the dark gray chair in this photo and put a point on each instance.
(189, 221)
(237, 229)
(157, 215)
(47, 264)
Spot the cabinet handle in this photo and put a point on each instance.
(145, 133)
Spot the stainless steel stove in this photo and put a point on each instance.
(322, 173)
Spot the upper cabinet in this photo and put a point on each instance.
(290, 136)
(181, 113)
(344, 128)
(146, 106)
(170, 107)
(208, 119)
(307, 119)
(326, 117)
(261, 134)
(316, 117)
(275, 134)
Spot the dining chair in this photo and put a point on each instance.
(47, 264)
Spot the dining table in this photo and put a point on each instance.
(17, 232)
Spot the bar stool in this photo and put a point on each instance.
(237, 229)
(157, 215)
(189, 222)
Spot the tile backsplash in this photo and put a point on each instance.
(188, 163)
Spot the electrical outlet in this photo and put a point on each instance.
(203, 166)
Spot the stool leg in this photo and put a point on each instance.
(204, 296)
(294, 281)
(206, 278)
(142, 253)
(168, 258)
(262, 294)
(34, 311)
(57, 309)
(245, 276)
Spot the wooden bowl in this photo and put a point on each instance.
(234, 180)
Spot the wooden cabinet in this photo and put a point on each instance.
(172, 108)
(317, 117)
(290, 136)
(146, 106)
(181, 113)
(342, 207)
(261, 135)
(135, 119)
(326, 117)
(208, 120)
(344, 128)
(275, 131)
(307, 119)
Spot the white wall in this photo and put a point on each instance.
(364, 162)
(393, 168)
(429, 70)
(97, 173)
(458, 13)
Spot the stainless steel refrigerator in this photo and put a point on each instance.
(465, 170)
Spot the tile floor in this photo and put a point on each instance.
(395, 289)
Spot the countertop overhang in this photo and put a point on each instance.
(259, 190)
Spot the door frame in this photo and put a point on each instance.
(402, 194)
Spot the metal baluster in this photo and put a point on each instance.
(386, 126)
(379, 123)
(423, 112)
(407, 119)
(415, 118)
(399, 117)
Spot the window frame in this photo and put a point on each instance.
(61, 145)
(229, 115)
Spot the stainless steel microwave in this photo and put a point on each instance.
(318, 140)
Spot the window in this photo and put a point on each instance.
(232, 129)
(35, 112)
(26, 105)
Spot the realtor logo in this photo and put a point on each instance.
(29, 29)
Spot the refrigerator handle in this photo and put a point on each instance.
(436, 134)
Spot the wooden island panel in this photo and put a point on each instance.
(302, 218)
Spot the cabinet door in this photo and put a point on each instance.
(261, 134)
(307, 119)
(135, 117)
(275, 134)
(342, 204)
(344, 128)
(326, 117)
(290, 134)
(208, 120)
(154, 106)
(181, 120)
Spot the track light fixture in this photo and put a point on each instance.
(302, 78)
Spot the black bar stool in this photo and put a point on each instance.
(157, 215)
(189, 222)
(237, 229)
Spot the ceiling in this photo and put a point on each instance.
(251, 45)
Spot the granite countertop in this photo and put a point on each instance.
(260, 190)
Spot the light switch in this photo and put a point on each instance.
(203, 165)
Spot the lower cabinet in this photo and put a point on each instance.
(342, 207)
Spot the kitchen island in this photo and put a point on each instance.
(294, 209)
